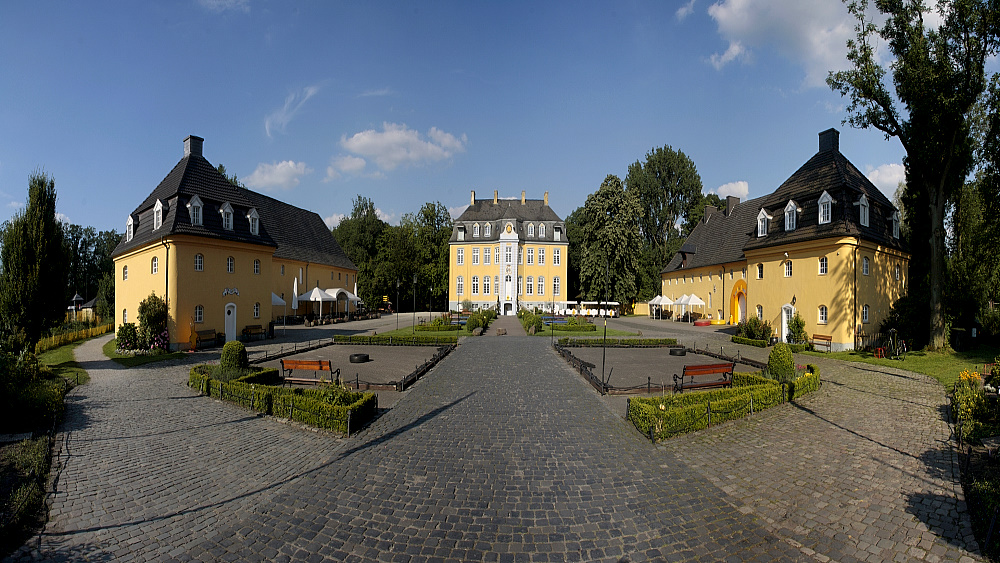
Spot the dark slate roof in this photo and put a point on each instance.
(497, 214)
(295, 233)
(724, 239)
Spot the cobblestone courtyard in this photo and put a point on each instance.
(503, 453)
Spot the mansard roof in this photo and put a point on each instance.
(485, 211)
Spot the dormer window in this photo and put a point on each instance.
(863, 207)
(895, 225)
(762, 221)
(157, 215)
(486, 230)
(531, 229)
(194, 209)
(541, 230)
(129, 231)
(254, 218)
(825, 205)
(227, 216)
(475, 230)
(461, 232)
(556, 233)
(791, 210)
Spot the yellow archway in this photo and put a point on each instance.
(738, 302)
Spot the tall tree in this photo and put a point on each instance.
(359, 235)
(431, 227)
(939, 77)
(574, 254)
(33, 263)
(668, 188)
(611, 243)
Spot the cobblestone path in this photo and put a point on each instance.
(500, 454)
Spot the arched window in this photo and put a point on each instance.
(154, 265)
(541, 230)
(475, 285)
(460, 285)
(864, 313)
(227, 216)
(790, 211)
(256, 310)
(486, 230)
(157, 215)
(822, 314)
(541, 285)
(762, 220)
(555, 285)
(863, 210)
(194, 208)
(475, 230)
(760, 312)
(822, 266)
(256, 267)
(486, 285)
(230, 264)
(530, 286)
(199, 314)
(864, 266)
(129, 231)
(199, 263)
(124, 273)
(254, 218)
(825, 203)
(788, 268)
(531, 230)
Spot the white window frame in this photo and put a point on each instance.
(823, 265)
(227, 216)
(230, 265)
(256, 267)
(791, 210)
(864, 211)
(460, 257)
(125, 272)
(475, 230)
(154, 265)
(487, 230)
(540, 285)
(825, 210)
(508, 255)
(865, 266)
(158, 215)
(199, 262)
(529, 288)
(531, 256)
(788, 268)
(486, 255)
(475, 256)
(520, 285)
(555, 257)
(897, 269)
(823, 315)
(486, 285)
(760, 312)
(129, 229)
(864, 313)
(460, 285)
(195, 206)
(520, 255)
(531, 230)
(256, 310)
(762, 223)
(760, 271)
(541, 230)
(541, 256)
(475, 285)
(555, 285)
(254, 219)
(199, 314)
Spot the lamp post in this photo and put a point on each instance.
(414, 326)
(604, 346)
(430, 305)
(397, 303)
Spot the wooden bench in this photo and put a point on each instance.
(204, 336)
(825, 339)
(254, 330)
(725, 370)
(316, 366)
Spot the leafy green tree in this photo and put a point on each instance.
(668, 188)
(938, 78)
(431, 229)
(574, 253)
(33, 264)
(359, 235)
(233, 179)
(105, 305)
(89, 258)
(611, 244)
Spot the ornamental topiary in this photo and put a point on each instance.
(780, 363)
(234, 356)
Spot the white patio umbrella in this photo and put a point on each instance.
(682, 301)
(654, 302)
(295, 295)
(275, 301)
(317, 295)
(695, 300)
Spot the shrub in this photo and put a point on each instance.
(152, 321)
(529, 320)
(474, 321)
(467, 305)
(968, 405)
(780, 363)
(797, 329)
(127, 337)
(234, 356)
(573, 327)
(618, 342)
(754, 329)
(749, 341)
(741, 379)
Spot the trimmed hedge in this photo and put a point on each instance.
(671, 415)
(749, 342)
(349, 412)
(796, 348)
(52, 342)
(438, 328)
(623, 342)
(572, 328)
(417, 340)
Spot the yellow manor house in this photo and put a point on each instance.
(825, 245)
(222, 256)
(508, 254)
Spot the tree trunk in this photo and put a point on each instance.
(938, 337)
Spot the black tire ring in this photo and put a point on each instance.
(359, 358)
(678, 352)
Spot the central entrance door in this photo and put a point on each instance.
(787, 312)
(230, 321)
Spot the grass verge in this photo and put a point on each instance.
(132, 361)
(599, 333)
(943, 366)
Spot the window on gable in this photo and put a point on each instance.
(194, 208)
(531, 230)
(864, 208)
(475, 230)
(254, 218)
(864, 266)
(791, 210)
(227, 216)
(157, 215)
(762, 223)
(541, 230)
(128, 229)
(825, 206)
(486, 230)
(822, 266)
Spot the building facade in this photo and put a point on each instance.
(508, 254)
(825, 245)
(220, 255)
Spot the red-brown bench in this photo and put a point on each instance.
(725, 370)
(316, 366)
(823, 340)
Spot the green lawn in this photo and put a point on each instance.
(599, 333)
(408, 331)
(942, 366)
(109, 351)
(60, 361)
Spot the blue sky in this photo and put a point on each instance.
(316, 102)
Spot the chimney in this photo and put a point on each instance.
(731, 203)
(192, 145)
(522, 197)
(709, 210)
(546, 198)
(472, 201)
(496, 197)
(829, 140)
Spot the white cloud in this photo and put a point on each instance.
(455, 212)
(379, 92)
(223, 5)
(334, 220)
(886, 177)
(685, 10)
(277, 121)
(282, 175)
(735, 51)
(398, 145)
(63, 218)
(739, 189)
(344, 164)
(387, 217)
(15, 204)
